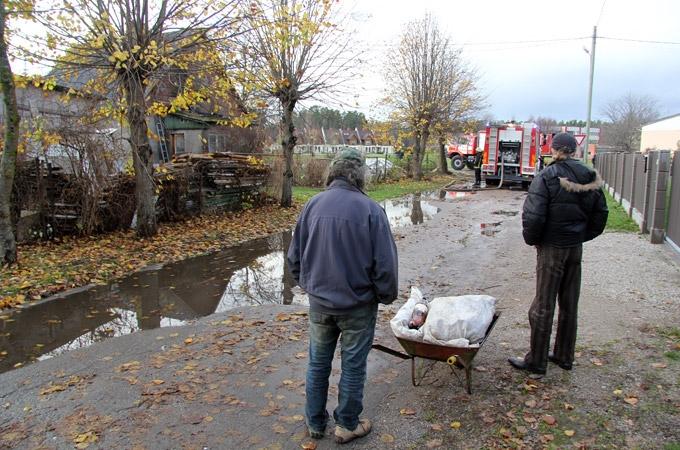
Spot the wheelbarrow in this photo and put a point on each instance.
(458, 358)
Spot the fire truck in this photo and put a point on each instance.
(463, 153)
(513, 152)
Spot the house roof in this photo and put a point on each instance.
(669, 123)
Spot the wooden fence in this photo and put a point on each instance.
(646, 188)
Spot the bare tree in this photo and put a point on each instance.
(121, 50)
(626, 115)
(8, 249)
(294, 51)
(428, 83)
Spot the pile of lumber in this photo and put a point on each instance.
(219, 180)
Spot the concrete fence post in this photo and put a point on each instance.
(634, 182)
(657, 198)
(650, 163)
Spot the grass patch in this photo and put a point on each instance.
(618, 219)
(382, 191)
(672, 355)
(672, 446)
(670, 332)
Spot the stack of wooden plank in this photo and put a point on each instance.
(221, 180)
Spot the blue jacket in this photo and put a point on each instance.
(343, 253)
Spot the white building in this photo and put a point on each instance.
(664, 134)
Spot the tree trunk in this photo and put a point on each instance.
(288, 144)
(441, 160)
(8, 247)
(418, 153)
(142, 158)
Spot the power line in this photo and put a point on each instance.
(643, 41)
(604, 2)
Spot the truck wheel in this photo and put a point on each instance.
(457, 162)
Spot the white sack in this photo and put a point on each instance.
(458, 321)
(399, 322)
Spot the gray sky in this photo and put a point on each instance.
(540, 78)
(544, 77)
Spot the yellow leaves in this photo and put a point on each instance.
(129, 366)
(407, 412)
(455, 425)
(387, 438)
(569, 433)
(84, 440)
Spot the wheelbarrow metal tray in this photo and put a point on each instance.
(443, 352)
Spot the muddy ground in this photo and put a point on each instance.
(236, 380)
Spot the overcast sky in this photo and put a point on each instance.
(547, 76)
(540, 78)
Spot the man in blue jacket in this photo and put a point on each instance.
(343, 255)
(564, 208)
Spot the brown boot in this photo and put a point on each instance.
(343, 435)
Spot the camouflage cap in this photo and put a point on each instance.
(349, 154)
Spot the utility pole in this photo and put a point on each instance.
(590, 94)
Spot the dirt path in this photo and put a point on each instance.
(236, 380)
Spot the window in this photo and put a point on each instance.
(217, 143)
(177, 143)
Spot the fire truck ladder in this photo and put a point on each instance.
(162, 143)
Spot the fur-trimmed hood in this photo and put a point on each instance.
(572, 186)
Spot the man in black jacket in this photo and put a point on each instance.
(343, 255)
(564, 208)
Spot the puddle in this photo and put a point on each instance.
(251, 274)
(506, 213)
(449, 195)
(408, 211)
(490, 229)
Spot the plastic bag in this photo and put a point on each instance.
(458, 321)
(400, 321)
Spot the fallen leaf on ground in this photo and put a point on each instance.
(387, 438)
(455, 424)
(617, 392)
(188, 341)
(279, 429)
(529, 419)
(569, 433)
(597, 361)
(568, 406)
(550, 420)
(547, 438)
(659, 365)
(522, 430)
(437, 427)
(157, 382)
(407, 412)
(631, 400)
(311, 445)
(434, 443)
(530, 403)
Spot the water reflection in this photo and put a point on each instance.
(253, 274)
(408, 211)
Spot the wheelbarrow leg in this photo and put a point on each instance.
(413, 371)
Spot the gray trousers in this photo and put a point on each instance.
(558, 277)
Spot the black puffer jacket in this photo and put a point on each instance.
(565, 205)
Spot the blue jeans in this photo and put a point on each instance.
(355, 330)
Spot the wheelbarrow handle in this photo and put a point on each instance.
(390, 351)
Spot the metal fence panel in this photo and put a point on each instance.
(618, 186)
(638, 199)
(673, 230)
(627, 184)
(652, 173)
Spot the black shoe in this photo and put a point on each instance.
(563, 365)
(519, 363)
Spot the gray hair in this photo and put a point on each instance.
(352, 170)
